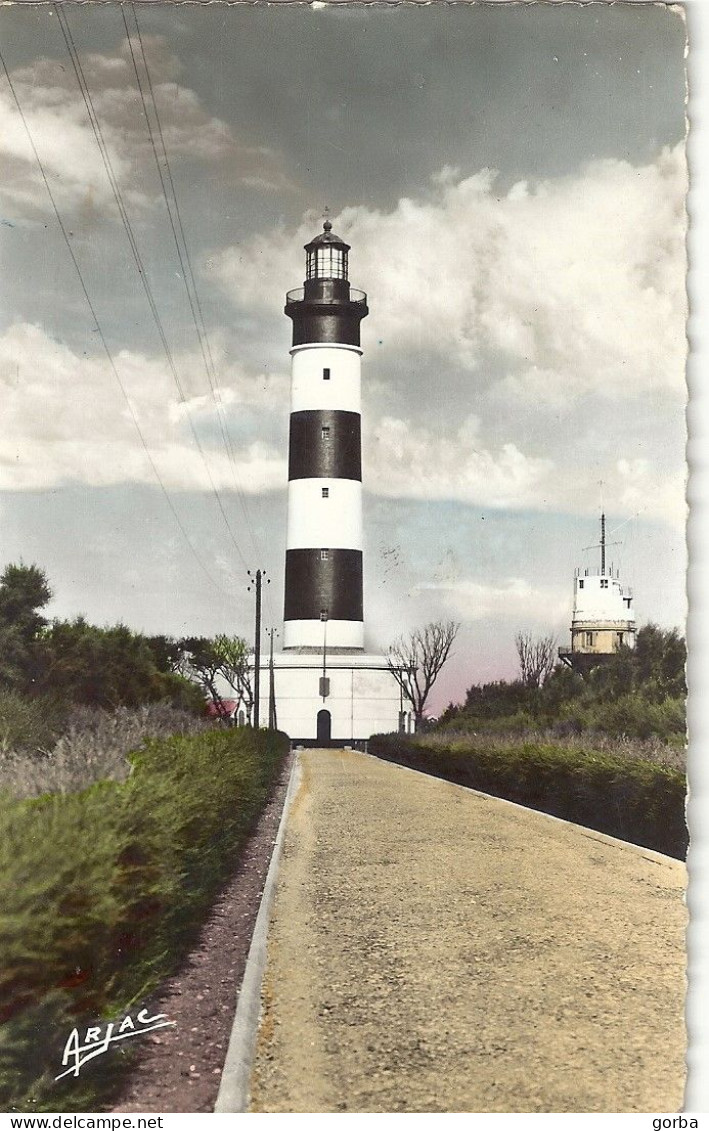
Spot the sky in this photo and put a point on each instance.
(512, 182)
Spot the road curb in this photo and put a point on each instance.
(586, 830)
(233, 1095)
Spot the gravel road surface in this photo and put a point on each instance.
(435, 950)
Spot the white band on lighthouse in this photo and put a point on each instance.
(324, 513)
(325, 377)
(338, 634)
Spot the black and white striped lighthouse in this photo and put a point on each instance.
(326, 690)
(323, 582)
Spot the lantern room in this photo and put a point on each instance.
(326, 309)
(326, 255)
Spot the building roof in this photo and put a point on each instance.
(215, 711)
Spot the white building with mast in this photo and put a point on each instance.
(603, 619)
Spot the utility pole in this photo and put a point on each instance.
(272, 717)
(256, 582)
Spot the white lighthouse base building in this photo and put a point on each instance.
(354, 696)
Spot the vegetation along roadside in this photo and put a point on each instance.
(606, 750)
(123, 811)
(104, 890)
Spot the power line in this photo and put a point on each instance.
(172, 207)
(100, 141)
(183, 255)
(99, 328)
(188, 275)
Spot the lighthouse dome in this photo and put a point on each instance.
(327, 236)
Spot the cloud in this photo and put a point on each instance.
(66, 420)
(578, 283)
(640, 490)
(514, 599)
(54, 109)
(522, 345)
(407, 462)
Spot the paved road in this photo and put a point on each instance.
(435, 950)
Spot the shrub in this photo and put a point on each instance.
(94, 746)
(27, 724)
(180, 693)
(630, 715)
(620, 695)
(103, 891)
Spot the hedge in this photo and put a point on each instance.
(638, 801)
(103, 891)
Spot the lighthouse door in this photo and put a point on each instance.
(324, 725)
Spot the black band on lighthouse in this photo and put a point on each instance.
(325, 444)
(326, 310)
(315, 584)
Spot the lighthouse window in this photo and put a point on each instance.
(326, 492)
(326, 432)
(324, 555)
(327, 263)
(581, 583)
(627, 601)
(326, 374)
(604, 583)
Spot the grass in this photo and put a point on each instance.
(658, 751)
(35, 758)
(104, 890)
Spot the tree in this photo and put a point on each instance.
(104, 667)
(660, 656)
(201, 663)
(654, 668)
(562, 686)
(537, 657)
(497, 699)
(235, 665)
(167, 653)
(416, 661)
(24, 590)
(170, 682)
(616, 676)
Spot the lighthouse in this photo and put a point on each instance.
(330, 689)
(323, 578)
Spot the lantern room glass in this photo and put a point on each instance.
(327, 261)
